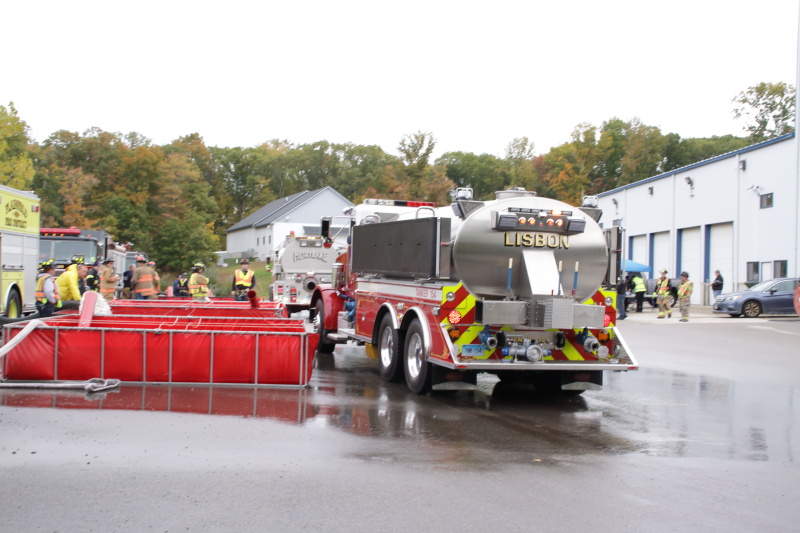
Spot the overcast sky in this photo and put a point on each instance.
(474, 74)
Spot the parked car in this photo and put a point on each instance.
(772, 296)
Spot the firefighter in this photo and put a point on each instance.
(92, 279)
(126, 282)
(156, 278)
(685, 295)
(198, 284)
(663, 294)
(143, 280)
(48, 298)
(108, 280)
(181, 286)
(69, 282)
(75, 262)
(639, 289)
(243, 281)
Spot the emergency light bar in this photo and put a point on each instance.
(59, 232)
(554, 220)
(398, 203)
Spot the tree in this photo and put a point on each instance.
(16, 166)
(484, 173)
(416, 150)
(768, 108)
(519, 157)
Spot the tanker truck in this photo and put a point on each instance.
(510, 286)
(302, 264)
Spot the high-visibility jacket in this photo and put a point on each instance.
(198, 285)
(663, 286)
(638, 284)
(243, 279)
(68, 285)
(685, 290)
(108, 282)
(143, 281)
(40, 294)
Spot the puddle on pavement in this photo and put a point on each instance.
(659, 413)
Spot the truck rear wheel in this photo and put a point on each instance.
(391, 369)
(325, 344)
(13, 305)
(416, 365)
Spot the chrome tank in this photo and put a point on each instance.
(481, 255)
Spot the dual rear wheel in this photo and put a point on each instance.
(404, 355)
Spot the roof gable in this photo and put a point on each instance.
(279, 208)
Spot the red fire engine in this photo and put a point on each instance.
(509, 286)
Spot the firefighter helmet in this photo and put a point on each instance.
(198, 266)
(245, 261)
(140, 259)
(151, 264)
(663, 271)
(107, 261)
(77, 259)
(684, 273)
(47, 265)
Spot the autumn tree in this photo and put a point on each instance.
(16, 166)
(768, 109)
(484, 173)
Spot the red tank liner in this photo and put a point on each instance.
(213, 350)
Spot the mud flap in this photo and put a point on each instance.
(582, 380)
(444, 379)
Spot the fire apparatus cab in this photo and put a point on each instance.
(509, 286)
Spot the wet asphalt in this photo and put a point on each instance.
(704, 437)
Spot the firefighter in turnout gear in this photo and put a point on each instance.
(685, 295)
(92, 280)
(243, 281)
(47, 297)
(143, 280)
(198, 284)
(663, 295)
(108, 280)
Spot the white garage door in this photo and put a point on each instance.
(691, 261)
(720, 254)
(638, 251)
(661, 254)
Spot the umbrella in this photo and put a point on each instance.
(633, 266)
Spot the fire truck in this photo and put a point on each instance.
(302, 265)
(509, 286)
(19, 244)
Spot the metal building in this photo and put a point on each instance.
(738, 213)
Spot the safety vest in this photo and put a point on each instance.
(183, 285)
(638, 284)
(39, 295)
(244, 279)
(198, 285)
(662, 287)
(685, 290)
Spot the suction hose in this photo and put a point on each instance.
(253, 298)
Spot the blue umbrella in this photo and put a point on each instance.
(632, 266)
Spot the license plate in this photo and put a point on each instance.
(472, 350)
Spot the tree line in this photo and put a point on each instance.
(175, 201)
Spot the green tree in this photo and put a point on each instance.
(519, 158)
(16, 166)
(768, 109)
(416, 150)
(245, 183)
(484, 173)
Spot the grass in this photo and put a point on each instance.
(221, 278)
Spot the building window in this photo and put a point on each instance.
(779, 269)
(752, 272)
(766, 200)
